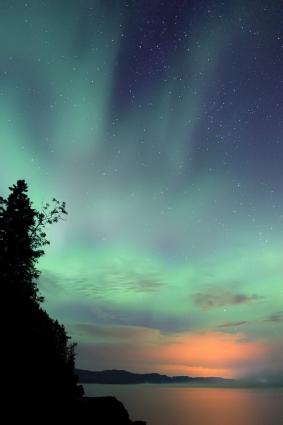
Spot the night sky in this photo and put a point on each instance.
(160, 123)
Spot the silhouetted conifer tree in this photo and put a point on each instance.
(39, 355)
(22, 238)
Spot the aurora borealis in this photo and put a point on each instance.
(160, 124)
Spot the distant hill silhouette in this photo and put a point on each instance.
(124, 377)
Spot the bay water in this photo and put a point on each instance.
(160, 404)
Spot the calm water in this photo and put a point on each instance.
(181, 405)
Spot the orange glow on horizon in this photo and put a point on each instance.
(197, 371)
(208, 354)
(203, 353)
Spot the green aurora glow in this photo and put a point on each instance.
(175, 218)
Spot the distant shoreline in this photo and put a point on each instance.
(237, 385)
(123, 377)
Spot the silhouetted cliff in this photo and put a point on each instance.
(41, 384)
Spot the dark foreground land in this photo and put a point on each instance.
(86, 410)
(109, 410)
(39, 383)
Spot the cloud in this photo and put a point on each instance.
(106, 314)
(233, 324)
(106, 282)
(271, 371)
(271, 318)
(50, 283)
(127, 275)
(275, 317)
(112, 334)
(218, 297)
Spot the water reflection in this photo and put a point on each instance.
(168, 405)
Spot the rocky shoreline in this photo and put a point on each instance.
(108, 409)
(85, 410)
